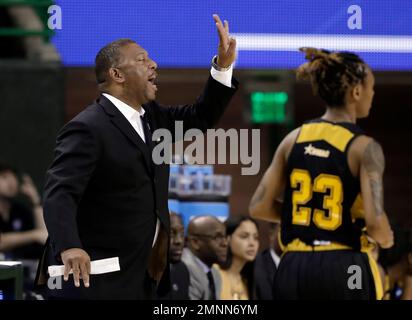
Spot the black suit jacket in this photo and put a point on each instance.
(265, 271)
(103, 193)
(180, 281)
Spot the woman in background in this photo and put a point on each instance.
(237, 272)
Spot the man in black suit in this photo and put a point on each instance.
(266, 265)
(179, 274)
(104, 196)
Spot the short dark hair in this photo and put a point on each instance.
(177, 215)
(5, 167)
(332, 73)
(108, 57)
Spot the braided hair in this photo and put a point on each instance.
(331, 73)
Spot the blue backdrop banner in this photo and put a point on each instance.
(181, 33)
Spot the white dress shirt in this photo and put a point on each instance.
(275, 257)
(133, 116)
(203, 265)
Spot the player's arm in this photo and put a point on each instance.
(372, 165)
(267, 200)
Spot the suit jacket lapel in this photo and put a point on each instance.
(149, 142)
(269, 264)
(218, 282)
(117, 118)
(196, 271)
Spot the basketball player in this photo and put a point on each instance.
(323, 175)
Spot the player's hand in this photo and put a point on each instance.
(78, 260)
(389, 243)
(227, 45)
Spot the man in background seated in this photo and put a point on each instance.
(22, 226)
(179, 274)
(207, 244)
(266, 265)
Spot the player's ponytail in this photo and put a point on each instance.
(331, 73)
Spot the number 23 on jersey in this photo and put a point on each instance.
(330, 216)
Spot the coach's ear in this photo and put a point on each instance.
(116, 75)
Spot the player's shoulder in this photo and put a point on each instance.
(363, 143)
(363, 140)
(285, 147)
(291, 137)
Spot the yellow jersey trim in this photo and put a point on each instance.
(357, 211)
(367, 247)
(298, 245)
(335, 135)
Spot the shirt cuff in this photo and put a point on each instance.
(224, 77)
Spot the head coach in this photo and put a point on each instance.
(104, 196)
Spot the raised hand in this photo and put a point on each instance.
(227, 45)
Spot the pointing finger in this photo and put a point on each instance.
(232, 46)
(221, 32)
(217, 19)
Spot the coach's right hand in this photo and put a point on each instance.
(78, 260)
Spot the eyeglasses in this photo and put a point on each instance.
(216, 237)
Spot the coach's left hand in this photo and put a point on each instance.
(227, 45)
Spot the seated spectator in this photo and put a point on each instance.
(22, 227)
(266, 265)
(237, 273)
(207, 245)
(179, 274)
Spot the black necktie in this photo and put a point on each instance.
(146, 130)
(212, 288)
